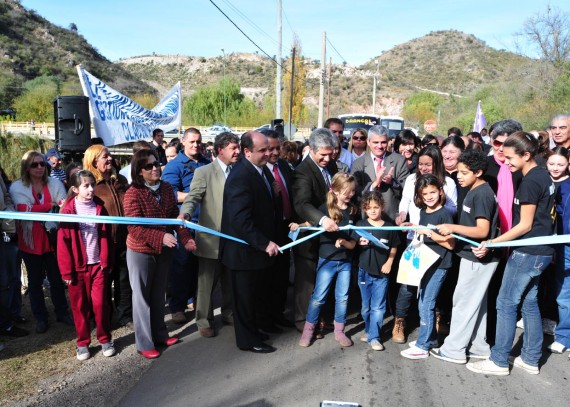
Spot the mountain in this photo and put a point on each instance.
(447, 62)
(31, 46)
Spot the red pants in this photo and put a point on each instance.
(88, 295)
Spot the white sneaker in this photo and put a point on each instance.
(556, 347)
(520, 324)
(108, 349)
(548, 326)
(412, 344)
(518, 362)
(415, 353)
(475, 356)
(436, 353)
(487, 367)
(376, 345)
(364, 337)
(83, 353)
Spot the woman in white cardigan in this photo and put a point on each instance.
(35, 191)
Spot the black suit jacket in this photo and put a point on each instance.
(309, 193)
(248, 214)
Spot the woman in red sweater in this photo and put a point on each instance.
(149, 250)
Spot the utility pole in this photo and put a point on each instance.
(278, 81)
(225, 99)
(329, 89)
(292, 89)
(374, 87)
(323, 79)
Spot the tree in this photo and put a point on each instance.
(422, 106)
(73, 27)
(299, 110)
(549, 32)
(211, 104)
(37, 100)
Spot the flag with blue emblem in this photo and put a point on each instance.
(117, 119)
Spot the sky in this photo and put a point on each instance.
(359, 30)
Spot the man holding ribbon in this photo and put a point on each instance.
(249, 214)
(207, 190)
(311, 182)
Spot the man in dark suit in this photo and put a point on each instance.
(279, 174)
(311, 182)
(381, 170)
(248, 214)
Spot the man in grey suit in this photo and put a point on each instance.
(381, 170)
(207, 190)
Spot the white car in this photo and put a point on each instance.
(215, 130)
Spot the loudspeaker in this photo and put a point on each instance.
(72, 123)
(277, 125)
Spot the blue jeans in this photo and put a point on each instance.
(520, 283)
(429, 289)
(327, 270)
(562, 332)
(373, 292)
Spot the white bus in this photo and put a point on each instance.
(394, 124)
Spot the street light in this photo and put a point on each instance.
(225, 103)
(374, 87)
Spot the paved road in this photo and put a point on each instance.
(213, 372)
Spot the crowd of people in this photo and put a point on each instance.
(469, 192)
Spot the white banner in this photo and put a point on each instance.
(117, 119)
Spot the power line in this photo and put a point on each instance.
(338, 53)
(246, 36)
(251, 23)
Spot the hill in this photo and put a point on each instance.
(448, 62)
(31, 46)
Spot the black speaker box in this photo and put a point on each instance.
(72, 123)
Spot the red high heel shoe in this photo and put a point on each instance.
(150, 354)
(171, 341)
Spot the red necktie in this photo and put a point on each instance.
(284, 195)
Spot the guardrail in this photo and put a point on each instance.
(47, 131)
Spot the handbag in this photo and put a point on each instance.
(415, 261)
(51, 227)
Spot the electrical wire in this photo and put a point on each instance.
(338, 53)
(247, 36)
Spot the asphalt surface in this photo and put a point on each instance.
(213, 372)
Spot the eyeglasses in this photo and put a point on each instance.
(37, 164)
(361, 138)
(150, 166)
(497, 143)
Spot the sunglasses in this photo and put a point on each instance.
(361, 138)
(497, 143)
(149, 167)
(37, 164)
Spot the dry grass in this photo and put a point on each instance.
(26, 361)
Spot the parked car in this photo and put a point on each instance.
(215, 130)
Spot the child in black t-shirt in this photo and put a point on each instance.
(429, 196)
(477, 221)
(335, 259)
(531, 218)
(374, 267)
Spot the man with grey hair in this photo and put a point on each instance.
(560, 130)
(381, 170)
(311, 182)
